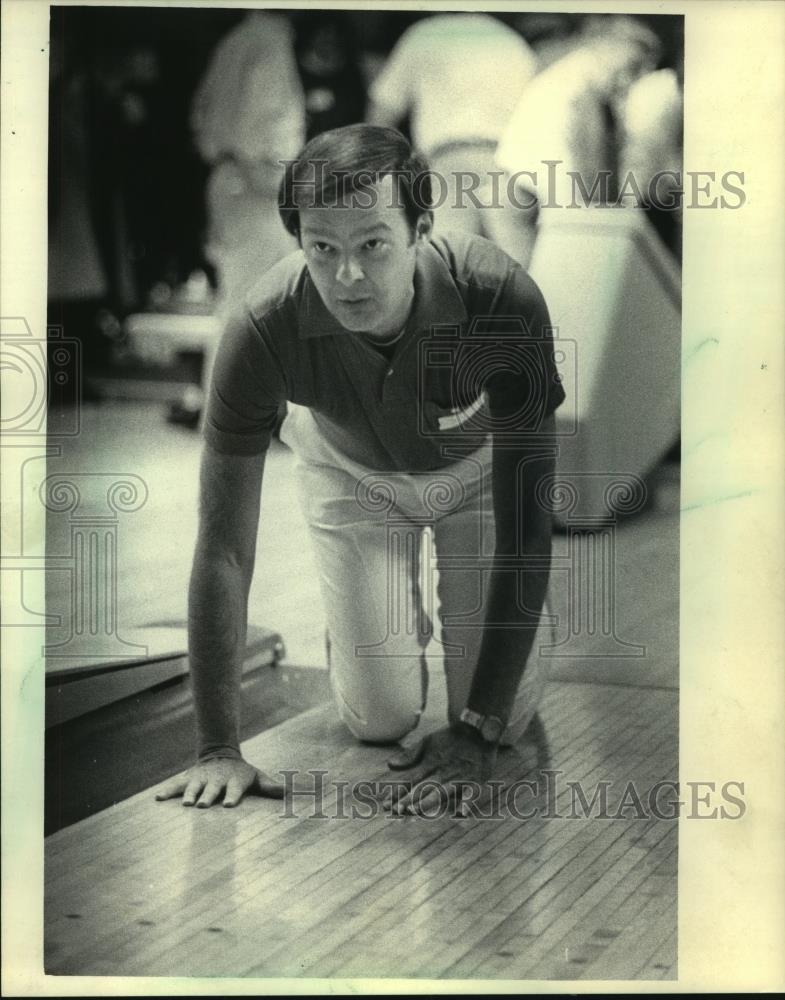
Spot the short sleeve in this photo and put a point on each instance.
(246, 389)
(528, 386)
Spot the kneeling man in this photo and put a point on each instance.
(419, 375)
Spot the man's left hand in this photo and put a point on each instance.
(437, 767)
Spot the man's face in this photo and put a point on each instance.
(362, 259)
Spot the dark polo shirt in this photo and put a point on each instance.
(477, 339)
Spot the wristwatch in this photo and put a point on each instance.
(490, 727)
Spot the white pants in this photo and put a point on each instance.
(368, 531)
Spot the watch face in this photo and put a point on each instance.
(492, 729)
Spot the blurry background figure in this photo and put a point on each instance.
(248, 114)
(571, 113)
(652, 144)
(330, 72)
(77, 284)
(146, 177)
(125, 184)
(458, 78)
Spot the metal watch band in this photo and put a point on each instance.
(472, 718)
(483, 724)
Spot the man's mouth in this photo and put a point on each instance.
(354, 302)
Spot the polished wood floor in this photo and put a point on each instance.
(151, 888)
(147, 888)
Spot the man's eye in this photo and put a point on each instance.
(322, 247)
(374, 244)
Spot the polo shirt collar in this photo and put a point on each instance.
(437, 300)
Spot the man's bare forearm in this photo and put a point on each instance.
(506, 647)
(230, 488)
(523, 542)
(217, 626)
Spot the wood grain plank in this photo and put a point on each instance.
(662, 963)
(578, 904)
(306, 896)
(397, 916)
(536, 888)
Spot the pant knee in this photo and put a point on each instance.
(376, 714)
(375, 725)
(380, 700)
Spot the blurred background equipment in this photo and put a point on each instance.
(614, 295)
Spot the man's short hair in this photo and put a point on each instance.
(345, 162)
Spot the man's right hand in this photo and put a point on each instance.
(221, 778)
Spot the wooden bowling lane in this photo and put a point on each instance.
(149, 888)
(152, 888)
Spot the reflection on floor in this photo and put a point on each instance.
(151, 888)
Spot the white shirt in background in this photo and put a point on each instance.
(652, 120)
(459, 76)
(250, 102)
(558, 117)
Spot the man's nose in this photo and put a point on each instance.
(349, 271)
